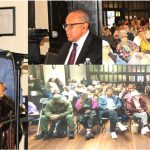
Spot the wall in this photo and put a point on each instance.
(58, 72)
(41, 21)
(77, 72)
(19, 42)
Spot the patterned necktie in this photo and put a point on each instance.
(73, 54)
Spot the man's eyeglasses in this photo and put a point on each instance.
(70, 26)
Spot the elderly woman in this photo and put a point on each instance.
(86, 113)
(109, 57)
(126, 47)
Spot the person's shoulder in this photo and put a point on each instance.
(115, 97)
(102, 97)
(50, 102)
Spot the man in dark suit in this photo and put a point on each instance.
(81, 43)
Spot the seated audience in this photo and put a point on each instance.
(145, 43)
(55, 109)
(106, 50)
(121, 48)
(52, 86)
(135, 105)
(139, 58)
(130, 34)
(126, 47)
(109, 106)
(86, 113)
(137, 40)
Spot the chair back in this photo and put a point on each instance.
(50, 58)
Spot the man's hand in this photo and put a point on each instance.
(54, 117)
(141, 110)
(111, 108)
(88, 110)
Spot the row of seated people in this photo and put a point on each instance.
(132, 103)
(125, 45)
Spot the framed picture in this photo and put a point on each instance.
(7, 21)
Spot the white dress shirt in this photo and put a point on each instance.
(110, 104)
(80, 43)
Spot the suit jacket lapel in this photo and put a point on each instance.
(85, 48)
(65, 52)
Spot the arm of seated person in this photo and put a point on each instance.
(54, 116)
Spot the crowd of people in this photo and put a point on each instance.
(127, 42)
(89, 101)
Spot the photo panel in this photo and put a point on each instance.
(76, 83)
(126, 32)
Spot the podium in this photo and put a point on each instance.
(34, 39)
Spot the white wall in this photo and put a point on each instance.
(19, 42)
(77, 72)
(41, 21)
(58, 72)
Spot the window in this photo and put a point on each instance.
(106, 78)
(120, 78)
(111, 78)
(106, 68)
(124, 68)
(119, 68)
(115, 78)
(131, 78)
(101, 78)
(148, 69)
(115, 68)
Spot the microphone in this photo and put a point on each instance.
(7, 53)
(20, 55)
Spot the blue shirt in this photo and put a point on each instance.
(7, 76)
(102, 102)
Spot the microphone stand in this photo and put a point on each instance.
(18, 59)
(17, 102)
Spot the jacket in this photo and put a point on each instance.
(61, 109)
(129, 105)
(92, 48)
(102, 102)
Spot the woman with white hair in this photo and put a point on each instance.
(126, 47)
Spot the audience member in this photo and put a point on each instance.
(86, 113)
(109, 106)
(57, 108)
(136, 106)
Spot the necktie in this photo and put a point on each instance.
(73, 54)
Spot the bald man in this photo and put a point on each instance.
(81, 43)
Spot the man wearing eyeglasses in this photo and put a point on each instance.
(81, 43)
